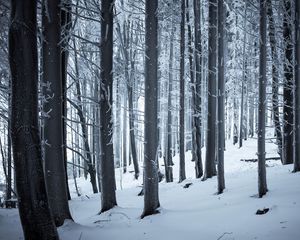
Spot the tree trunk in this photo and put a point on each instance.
(221, 93)
(168, 150)
(66, 26)
(151, 200)
(288, 138)
(88, 162)
(243, 81)
(55, 174)
(297, 88)
(197, 92)
(262, 181)
(108, 182)
(210, 168)
(182, 96)
(36, 218)
(275, 80)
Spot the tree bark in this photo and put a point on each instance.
(275, 80)
(262, 181)
(288, 138)
(182, 96)
(210, 168)
(55, 174)
(151, 199)
(108, 182)
(221, 93)
(297, 88)
(197, 92)
(34, 209)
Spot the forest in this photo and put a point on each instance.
(154, 119)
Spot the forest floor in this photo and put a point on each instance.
(188, 213)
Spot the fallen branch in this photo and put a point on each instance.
(224, 235)
(255, 159)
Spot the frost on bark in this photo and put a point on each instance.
(197, 92)
(34, 209)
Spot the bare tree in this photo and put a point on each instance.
(108, 182)
(151, 200)
(36, 218)
(197, 92)
(182, 96)
(210, 168)
(221, 93)
(55, 174)
(288, 138)
(262, 181)
(297, 88)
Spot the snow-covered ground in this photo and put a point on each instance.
(188, 213)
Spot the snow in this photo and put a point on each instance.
(188, 213)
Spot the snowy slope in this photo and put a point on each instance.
(189, 213)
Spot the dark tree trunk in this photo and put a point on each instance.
(36, 218)
(262, 181)
(221, 93)
(168, 150)
(9, 159)
(210, 168)
(182, 96)
(275, 80)
(55, 174)
(297, 88)
(151, 200)
(197, 92)
(288, 135)
(108, 182)
(65, 25)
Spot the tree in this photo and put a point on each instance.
(108, 182)
(275, 80)
(221, 93)
(168, 150)
(55, 173)
(262, 181)
(288, 138)
(34, 209)
(210, 168)
(151, 200)
(297, 88)
(182, 96)
(197, 92)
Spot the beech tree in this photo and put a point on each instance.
(261, 151)
(108, 182)
(55, 172)
(182, 96)
(288, 138)
(197, 119)
(151, 199)
(210, 167)
(221, 93)
(36, 218)
(297, 88)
